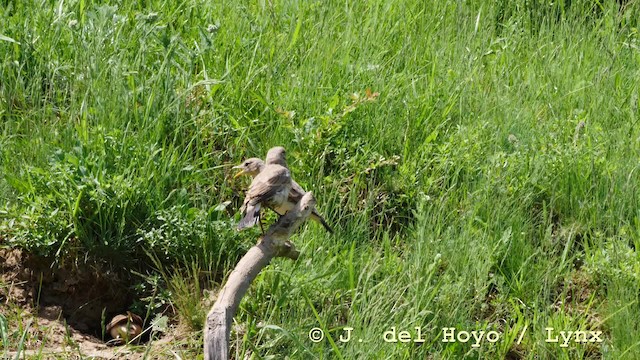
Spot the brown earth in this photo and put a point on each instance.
(62, 309)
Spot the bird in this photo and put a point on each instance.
(269, 188)
(253, 166)
(123, 328)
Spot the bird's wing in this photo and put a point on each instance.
(270, 181)
(296, 192)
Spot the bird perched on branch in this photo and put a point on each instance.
(269, 188)
(254, 166)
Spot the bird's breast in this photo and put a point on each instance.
(279, 198)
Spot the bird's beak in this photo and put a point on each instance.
(242, 172)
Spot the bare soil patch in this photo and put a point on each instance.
(62, 309)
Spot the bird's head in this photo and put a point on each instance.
(277, 155)
(251, 167)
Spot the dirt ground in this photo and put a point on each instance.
(60, 312)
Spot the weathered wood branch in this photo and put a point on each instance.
(275, 243)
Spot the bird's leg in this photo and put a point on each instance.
(260, 222)
(280, 216)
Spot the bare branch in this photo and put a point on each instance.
(274, 244)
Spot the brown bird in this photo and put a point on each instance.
(123, 328)
(269, 188)
(253, 166)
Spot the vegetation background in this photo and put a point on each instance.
(477, 159)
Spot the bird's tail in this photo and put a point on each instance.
(316, 217)
(251, 218)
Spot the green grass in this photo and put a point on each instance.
(492, 184)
